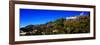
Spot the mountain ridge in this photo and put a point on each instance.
(80, 24)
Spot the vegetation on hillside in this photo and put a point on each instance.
(60, 26)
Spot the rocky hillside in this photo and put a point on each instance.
(78, 24)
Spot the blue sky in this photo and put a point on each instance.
(40, 16)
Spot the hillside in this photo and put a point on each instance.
(78, 24)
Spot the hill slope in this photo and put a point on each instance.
(79, 24)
